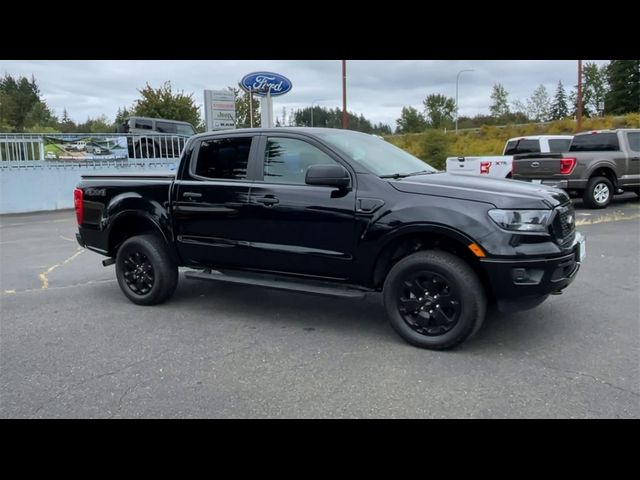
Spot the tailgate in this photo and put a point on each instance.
(536, 165)
(463, 165)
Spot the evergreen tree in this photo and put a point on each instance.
(559, 107)
(624, 83)
(594, 87)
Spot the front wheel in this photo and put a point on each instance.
(434, 300)
(146, 272)
(598, 192)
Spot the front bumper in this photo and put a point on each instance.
(519, 284)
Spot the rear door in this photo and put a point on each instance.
(633, 171)
(210, 202)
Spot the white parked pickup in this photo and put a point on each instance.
(500, 166)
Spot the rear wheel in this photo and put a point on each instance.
(434, 300)
(598, 192)
(145, 270)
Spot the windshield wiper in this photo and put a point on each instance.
(403, 175)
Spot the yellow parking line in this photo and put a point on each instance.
(43, 275)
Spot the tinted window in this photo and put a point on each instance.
(559, 145)
(166, 127)
(286, 160)
(522, 146)
(634, 141)
(184, 129)
(224, 158)
(595, 142)
(145, 124)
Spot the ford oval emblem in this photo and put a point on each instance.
(262, 82)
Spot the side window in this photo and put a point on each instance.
(166, 127)
(634, 141)
(559, 145)
(286, 160)
(144, 124)
(223, 158)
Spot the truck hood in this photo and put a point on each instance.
(502, 193)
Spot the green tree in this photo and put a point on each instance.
(243, 118)
(439, 110)
(66, 125)
(162, 102)
(538, 105)
(39, 116)
(410, 121)
(19, 98)
(594, 87)
(121, 115)
(95, 125)
(499, 105)
(624, 83)
(559, 107)
(434, 148)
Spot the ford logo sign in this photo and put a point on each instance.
(262, 82)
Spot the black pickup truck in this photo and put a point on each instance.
(335, 212)
(597, 165)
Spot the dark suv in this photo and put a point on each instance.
(156, 137)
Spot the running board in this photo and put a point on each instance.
(279, 283)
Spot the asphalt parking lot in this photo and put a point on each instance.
(72, 346)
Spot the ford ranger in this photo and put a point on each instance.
(334, 212)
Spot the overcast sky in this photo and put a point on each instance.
(378, 89)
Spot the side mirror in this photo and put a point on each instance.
(327, 175)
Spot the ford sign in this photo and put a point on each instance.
(262, 82)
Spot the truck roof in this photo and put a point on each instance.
(538, 137)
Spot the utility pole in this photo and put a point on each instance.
(345, 117)
(579, 106)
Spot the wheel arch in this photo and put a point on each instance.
(128, 224)
(605, 169)
(425, 237)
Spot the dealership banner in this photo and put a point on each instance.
(82, 148)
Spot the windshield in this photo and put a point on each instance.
(379, 156)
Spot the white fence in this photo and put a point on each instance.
(22, 147)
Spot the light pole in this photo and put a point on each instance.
(315, 101)
(458, 78)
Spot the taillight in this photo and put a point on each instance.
(567, 165)
(484, 167)
(78, 204)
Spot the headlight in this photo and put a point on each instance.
(533, 221)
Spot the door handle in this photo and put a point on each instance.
(191, 195)
(268, 201)
(635, 158)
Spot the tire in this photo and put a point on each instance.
(434, 328)
(146, 272)
(598, 193)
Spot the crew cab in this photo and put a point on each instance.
(500, 166)
(596, 166)
(334, 212)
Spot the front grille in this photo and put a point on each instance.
(564, 223)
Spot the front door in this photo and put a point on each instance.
(210, 203)
(299, 228)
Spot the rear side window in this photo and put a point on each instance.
(223, 158)
(595, 142)
(515, 147)
(559, 145)
(184, 129)
(634, 141)
(144, 124)
(166, 127)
